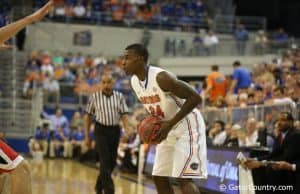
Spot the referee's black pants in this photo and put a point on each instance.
(107, 141)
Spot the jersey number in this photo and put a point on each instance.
(158, 112)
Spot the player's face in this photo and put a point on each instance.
(130, 62)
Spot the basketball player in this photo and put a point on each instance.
(10, 161)
(181, 153)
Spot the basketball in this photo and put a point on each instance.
(148, 128)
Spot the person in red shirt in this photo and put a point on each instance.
(216, 84)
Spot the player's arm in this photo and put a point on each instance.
(169, 83)
(90, 111)
(88, 122)
(126, 124)
(10, 30)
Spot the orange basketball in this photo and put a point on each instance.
(148, 128)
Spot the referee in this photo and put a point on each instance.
(108, 107)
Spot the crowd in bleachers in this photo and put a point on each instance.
(273, 82)
(82, 73)
(152, 12)
(268, 83)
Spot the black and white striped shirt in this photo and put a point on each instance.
(107, 109)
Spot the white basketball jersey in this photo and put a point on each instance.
(186, 140)
(157, 102)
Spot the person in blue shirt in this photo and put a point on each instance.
(78, 145)
(241, 78)
(40, 139)
(61, 139)
(241, 36)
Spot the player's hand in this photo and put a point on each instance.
(39, 14)
(252, 164)
(5, 46)
(282, 165)
(165, 128)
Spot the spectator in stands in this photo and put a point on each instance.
(61, 142)
(43, 121)
(57, 59)
(51, 89)
(261, 42)
(228, 131)
(251, 136)
(33, 80)
(79, 10)
(280, 39)
(216, 84)
(264, 138)
(210, 42)
(100, 60)
(251, 99)
(68, 59)
(241, 78)
(280, 99)
(41, 138)
(76, 121)
(259, 96)
(197, 45)
(241, 37)
(77, 62)
(34, 63)
(235, 136)
(185, 21)
(60, 11)
(77, 144)
(47, 64)
(68, 76)
(58, 120)
(218, 133)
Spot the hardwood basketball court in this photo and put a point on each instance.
(70, 177)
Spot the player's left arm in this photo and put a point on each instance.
(10, 30)
(169, 83)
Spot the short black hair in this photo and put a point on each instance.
(289, 116)
(236, 64)
(215, 68)
(221, 123)
(140, 50)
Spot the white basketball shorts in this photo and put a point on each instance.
(183, 153)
